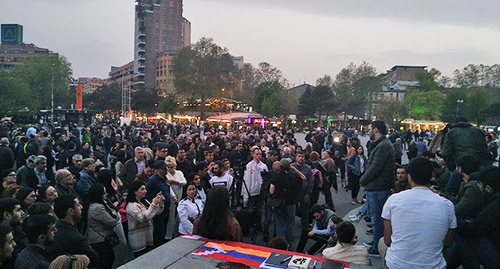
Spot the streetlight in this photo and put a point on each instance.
(459, 102)
(230, 108)
(52, 96)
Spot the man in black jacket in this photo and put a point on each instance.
(6, 154)
(378, 179)
(68, 240)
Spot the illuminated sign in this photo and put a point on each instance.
(12, 33)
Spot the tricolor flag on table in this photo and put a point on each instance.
(220, 251)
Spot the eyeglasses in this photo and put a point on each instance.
(12, 175)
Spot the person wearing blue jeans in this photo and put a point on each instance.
(284, 223)
(376, 201)
(378, 178)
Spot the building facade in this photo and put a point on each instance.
(159, 27)
(12, 49)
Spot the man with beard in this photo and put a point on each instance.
(378, 179)
(306, 190)
(68, 239)
(7, 245)
(220, 178)
(12, 215)
(182, 164)
(40, 231)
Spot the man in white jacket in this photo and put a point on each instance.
(253, 179)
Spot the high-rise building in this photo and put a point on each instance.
(159, 27)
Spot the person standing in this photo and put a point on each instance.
(253, 180)
(357, 164)
(378, 179)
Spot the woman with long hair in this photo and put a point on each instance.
(101, 221)
(140, 212)
(217, 221)
(189, 209)
(105, 177)
(177, 181)
(357, 164)
(200, 191)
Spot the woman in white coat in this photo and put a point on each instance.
(189, 209)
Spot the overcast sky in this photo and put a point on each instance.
(304, 39)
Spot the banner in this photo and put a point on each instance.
(79, 97)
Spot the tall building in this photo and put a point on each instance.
(122, 75)
(159, 27)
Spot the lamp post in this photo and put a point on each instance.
(230, 108)
(459, 102)
(52, 96)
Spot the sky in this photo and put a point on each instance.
(304, 39)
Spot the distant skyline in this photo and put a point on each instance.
(304, 39)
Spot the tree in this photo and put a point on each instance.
(306, 104)
(322, 100)
(424, 105)
(169, 104)
(202, 70)
(473, 76)
(265, 90)
(449, 109)
(145, 101)
(267, 73)
(326, 80)
(390, 109)
(39, 72)
(428, 80)
(353, 85)
(14, 93)
(477, 100)
(106, 97)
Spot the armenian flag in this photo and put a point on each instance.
(221, 251)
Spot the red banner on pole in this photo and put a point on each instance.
(79, 97)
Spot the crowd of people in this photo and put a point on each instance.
(72, 195)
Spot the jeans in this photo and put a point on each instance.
(376, 200)
(160, 228)
(284, 223)
(471, 253)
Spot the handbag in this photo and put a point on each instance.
(113, 239)
(277, 205)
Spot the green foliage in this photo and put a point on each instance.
(473, 76)
(28, 86)
(169, 104)
(145, 101)
(477, 100)
(306, 104)
(352, 86)
(326, 80)
(15, 93)
(202, 70)
(424, 105)
(106, 97)
(428, 80)
(449, 109)
(265, 90)
(270, 105)
(389, 109)
(38, 72)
